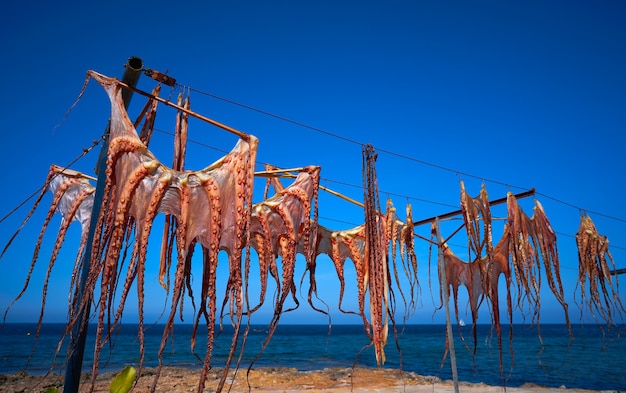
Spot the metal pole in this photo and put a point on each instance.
(524, 194)
(617, 271)
(76, 348)
(446, 301)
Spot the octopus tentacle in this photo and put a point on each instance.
(120, 227)
(136, 270)
(262, 242)
(178, 164)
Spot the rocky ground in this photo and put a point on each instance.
(273, 380)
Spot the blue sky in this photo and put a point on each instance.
(515, 95)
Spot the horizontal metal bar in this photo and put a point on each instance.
(240, 134)
(524, 194)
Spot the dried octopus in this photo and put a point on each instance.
(211, 208)
(526, 245)
(286, 214)
(368, 246)
(339, 246)
(73, 198)
(278, 226)
(594, 269)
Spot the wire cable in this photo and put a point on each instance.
(83, 154)
(402, 156)
(580, 208)
(282, 118)
(360, 187)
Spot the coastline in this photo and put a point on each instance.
(273, 380)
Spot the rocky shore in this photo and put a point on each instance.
(334, 380)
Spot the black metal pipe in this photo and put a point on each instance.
(524, 194)
(132, 72)
(76, 349)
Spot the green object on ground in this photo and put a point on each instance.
(123, 382)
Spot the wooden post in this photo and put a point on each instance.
(446, 302)
(76, 348)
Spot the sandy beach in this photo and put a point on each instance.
(336, 380)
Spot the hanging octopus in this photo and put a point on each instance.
(350, 244)
(402, 238)
(286, 214)
(480, 278)
(375, 259)
(207, 207)
(527, 245)
(211, 207)
(594, 269)
(278, 225)
(533, 246)
(368, 246)
(475, 212)
(72, 197)
(178, 164)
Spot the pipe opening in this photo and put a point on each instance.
(135, 63)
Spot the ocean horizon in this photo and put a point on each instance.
(594, 359)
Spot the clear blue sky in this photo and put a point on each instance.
(515, 95)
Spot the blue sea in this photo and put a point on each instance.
(596, 359)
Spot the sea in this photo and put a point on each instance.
(595, 358)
